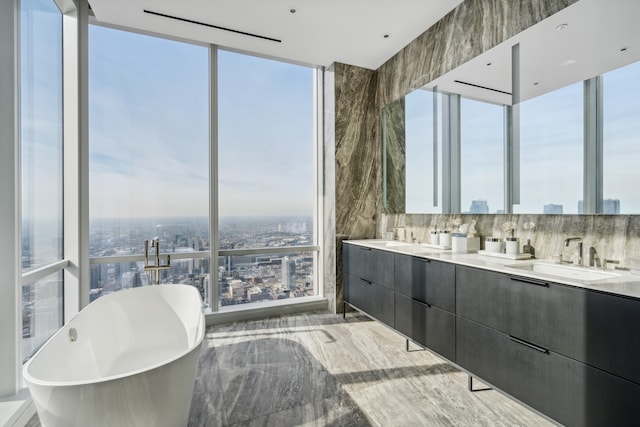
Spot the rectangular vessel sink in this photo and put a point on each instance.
(564, 271)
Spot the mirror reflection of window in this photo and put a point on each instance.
(621, 137)
(420, 154)
(481, 160)
(551, 152)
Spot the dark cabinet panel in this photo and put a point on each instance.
(603, 333)
(370, 298)
(382, 304)
(371, 264)
(411, 318)
(357, 293)
(441, 290)
(590, 327)
(482, 297)
(434, 283)
(441, 332)
(566, 390)
(403, 274)
(426, 325)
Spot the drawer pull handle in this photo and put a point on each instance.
(528, 344)
(364, 248)
(425, 260)
(529, 281)
(365, 281)
(421, 302)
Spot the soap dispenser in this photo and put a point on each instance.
(511, 244)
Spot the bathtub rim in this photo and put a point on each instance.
(30, 379)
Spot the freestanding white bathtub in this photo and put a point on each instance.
(127, 359)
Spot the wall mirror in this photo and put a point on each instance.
(567, 141)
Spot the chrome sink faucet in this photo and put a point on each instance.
(579, 240)
(594, 259)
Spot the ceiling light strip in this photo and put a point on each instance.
(190, 21)
(482, 87)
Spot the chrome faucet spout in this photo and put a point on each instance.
(579, 240)
(157, 266)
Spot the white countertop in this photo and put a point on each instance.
(621, 283)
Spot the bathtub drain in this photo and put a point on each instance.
(73, 334)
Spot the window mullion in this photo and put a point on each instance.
(593, 149)
(214, 281)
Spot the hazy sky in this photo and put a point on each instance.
(149, 130)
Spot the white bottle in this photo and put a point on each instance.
(512, 245)
(445, 238)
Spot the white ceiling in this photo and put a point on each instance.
(320, 32)
(589, 45)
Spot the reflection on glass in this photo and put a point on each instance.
(41, 312)
(419, 153)
(551, 146)
(621, 91)
(259, 278)
(265, 152)
(481, 159)
(41, 132)
(149, 142)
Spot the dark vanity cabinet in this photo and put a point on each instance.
(571, 353)
(415, 296)
(564, 351)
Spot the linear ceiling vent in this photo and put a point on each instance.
(482, 87)
(231, 30)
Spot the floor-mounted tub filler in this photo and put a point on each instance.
(127, 359)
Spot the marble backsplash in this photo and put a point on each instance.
(615, 237)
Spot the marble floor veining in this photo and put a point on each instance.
(322, 370)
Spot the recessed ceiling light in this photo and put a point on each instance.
(488, 64)
(386, 35)
(562, 27)
(624, 49)
(536, 83)
(292, 10)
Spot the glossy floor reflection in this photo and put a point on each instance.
(319, 370)
(322, 370)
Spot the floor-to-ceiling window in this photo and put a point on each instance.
(151, 176)
(41, 165)
(148, 159)
(266, 185)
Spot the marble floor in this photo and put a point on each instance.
(322, 370)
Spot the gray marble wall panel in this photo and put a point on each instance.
(395, 144)
(358, 154)
(357, 162)
(615, 237)
(467, 31)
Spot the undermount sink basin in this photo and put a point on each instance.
(393, 244)
(565, 271)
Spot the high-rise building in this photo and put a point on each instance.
(288, 273)
(479, 207)
(611, 206)
(552, 209)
